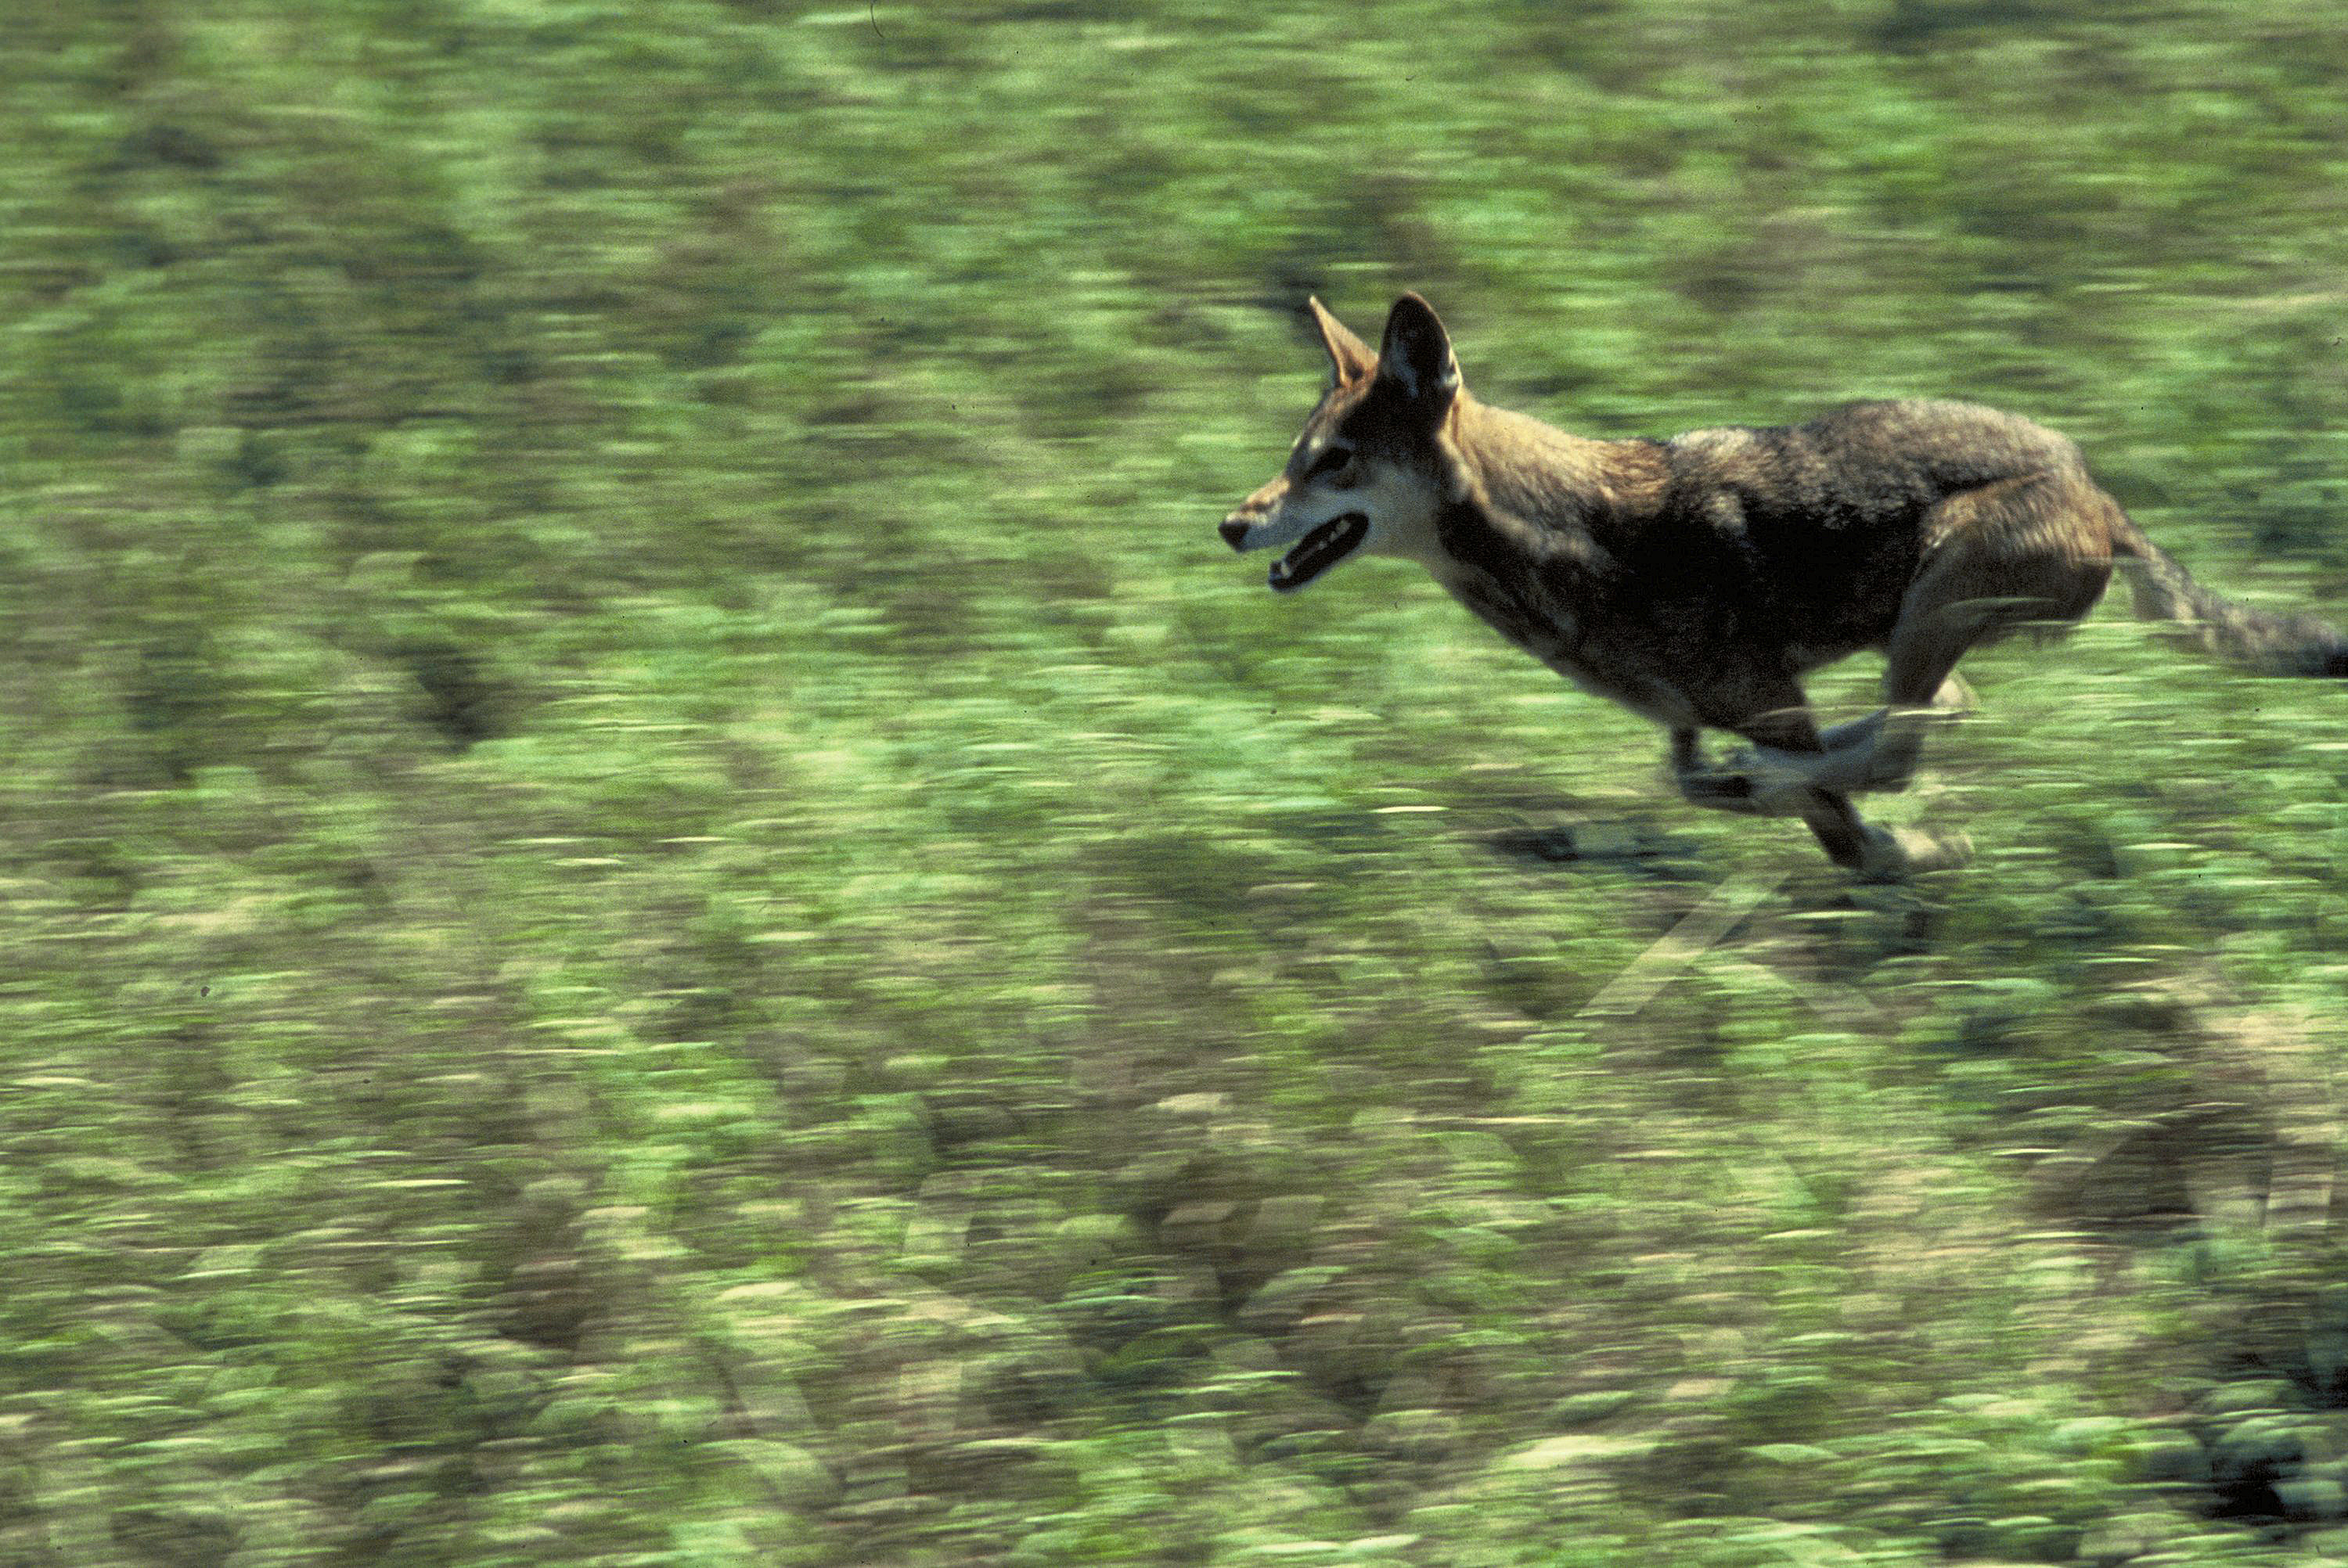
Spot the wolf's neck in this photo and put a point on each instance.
(1525, 468)
(1534, 499)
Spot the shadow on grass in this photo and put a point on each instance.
(1617, 844)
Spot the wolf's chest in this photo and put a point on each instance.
(1550, 634)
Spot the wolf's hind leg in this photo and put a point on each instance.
(1870, 853)
(1896, 854)
(1875, 854)
(1954, 698)
(2031, 551)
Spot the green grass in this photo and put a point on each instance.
(665, 904)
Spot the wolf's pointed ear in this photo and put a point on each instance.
(1416, 355)
(1350, 359)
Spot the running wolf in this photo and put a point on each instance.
(1697, 581)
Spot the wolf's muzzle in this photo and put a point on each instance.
(1234, 531)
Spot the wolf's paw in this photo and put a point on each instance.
(1869, 758)
(1896, 854)
(1772, 783)
(1760, 790)
(1716, 789)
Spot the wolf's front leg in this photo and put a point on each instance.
(1752, 791)
(1878, 753)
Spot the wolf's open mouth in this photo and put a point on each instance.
(1319, 551)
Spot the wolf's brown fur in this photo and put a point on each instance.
(1696, 581)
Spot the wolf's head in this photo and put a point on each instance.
(1371, 470)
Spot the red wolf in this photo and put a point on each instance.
(1697, 581)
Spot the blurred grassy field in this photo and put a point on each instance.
(666, 905)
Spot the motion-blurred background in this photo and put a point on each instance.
(664, 903)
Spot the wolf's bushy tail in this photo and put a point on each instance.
(2164, 590)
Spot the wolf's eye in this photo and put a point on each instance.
(1331, 460)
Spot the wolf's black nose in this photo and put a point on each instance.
(1234, 532)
